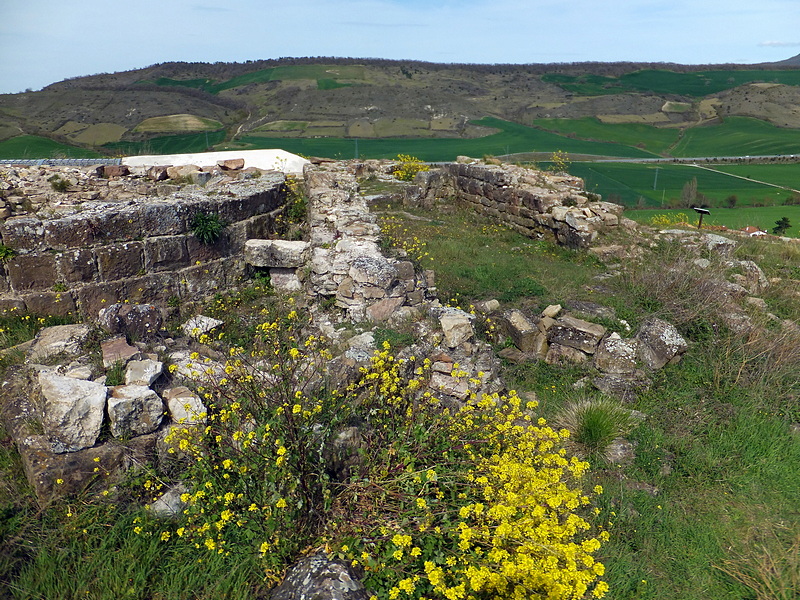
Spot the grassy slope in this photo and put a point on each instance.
(762, 217)
(654, 139)
(630, 182)
(32, 146)
(512, 138)
(697, 84)
(737, 136)
(719, 452)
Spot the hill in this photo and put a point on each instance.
(338, 98)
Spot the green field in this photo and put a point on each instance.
(512, 138)
(737, 218)
(738, 136)
(701, 83)
(787, 175)
(654, 139)
(327, 77)
(169, 144)
(34, 146)
(655, 185)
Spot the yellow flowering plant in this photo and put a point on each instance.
(441, 499)
(407, 167)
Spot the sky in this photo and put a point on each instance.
(44, 41)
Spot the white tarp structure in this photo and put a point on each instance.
(275, 160)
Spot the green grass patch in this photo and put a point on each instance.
(327, 77)
(170, 144)
(735, 218)
(512, 138)
(700, 83)
(660, 185)
(654, 139)
(34, 146)
(737, 136)
(183, 122)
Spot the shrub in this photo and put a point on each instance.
(429, 499)
(207, 227)
(58, 184)
(408, 166)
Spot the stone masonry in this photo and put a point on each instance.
(534, 203)
(142, 250)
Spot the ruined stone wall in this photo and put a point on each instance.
(141, 250)
(535, 203)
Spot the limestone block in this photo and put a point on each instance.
(276, 253)
(134, 410)
(116, 350)
(71, 411)
(521, 330)
(119, 261)
(178, 172)
(558, 354)
(76, 266)
(169, 504)
(318, 576)
(451, 386)
(372, 270)
(23, 234)
(231, 164)
(285, 279)
(576, 333)
(50, 303)
(552, 311)
(59, 339)
(659, 343)
(383, 309)
(141, 321)
(143, 372)
(165, 253)
(32, 272)
(456, 327)
(616, 355)
(199, 325)
(185, 407)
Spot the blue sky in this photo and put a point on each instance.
(43, 41)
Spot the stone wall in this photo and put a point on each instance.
(535, 203)
(140, 250)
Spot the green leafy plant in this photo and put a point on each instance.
(207, 227)
(58, 184)
(407, 167)
(6, 253)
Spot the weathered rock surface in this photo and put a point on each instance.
(576, 333)
(284, 254)
(456, 326)
(659, 343)
(185, 407)
(199, 325)
(143, 372)
(134, 410)
(616, 355)
(117, 349)
(57, 340)
(71, 411)
(318, 577)
(140, 321)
